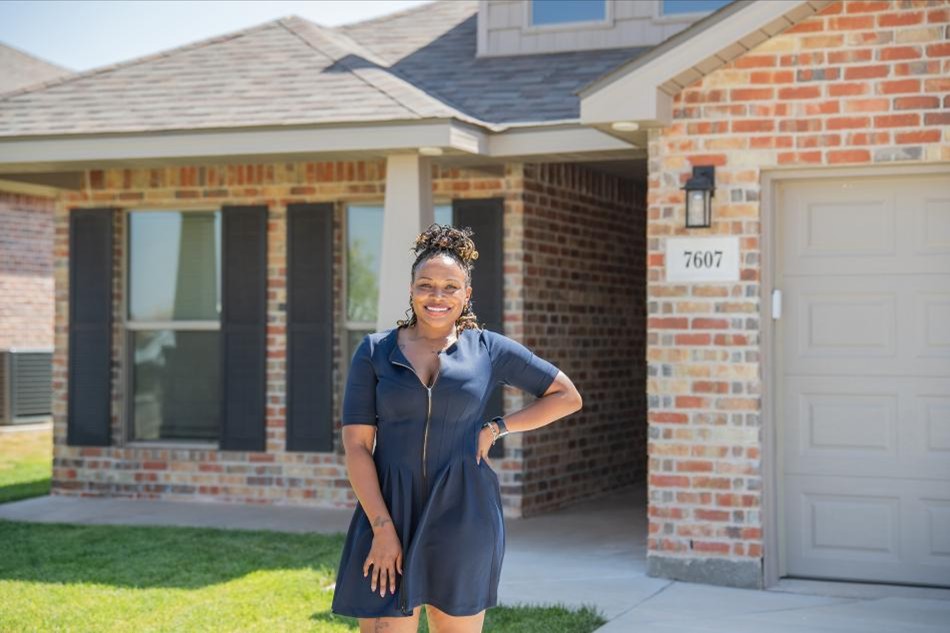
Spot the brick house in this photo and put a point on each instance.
(748, 384)
(798, 416)
(26, 266)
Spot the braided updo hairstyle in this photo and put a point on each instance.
(456, 243)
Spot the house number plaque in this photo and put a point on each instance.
(702, 259)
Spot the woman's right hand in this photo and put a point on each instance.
(385, 555)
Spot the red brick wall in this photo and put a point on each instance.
(859, 83)
(584, 236)
(26, 271)
(272, 477)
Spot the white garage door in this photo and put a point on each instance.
(864, 378)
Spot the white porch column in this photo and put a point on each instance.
(408, 211)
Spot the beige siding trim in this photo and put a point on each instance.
(27, 189)
(546, 142)
(373, 141)
(28, 154)
(504, 28)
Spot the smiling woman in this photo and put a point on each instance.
(364, 238)
(429, 526)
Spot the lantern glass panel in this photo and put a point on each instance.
(696, 208)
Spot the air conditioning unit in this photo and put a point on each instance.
(26, 385)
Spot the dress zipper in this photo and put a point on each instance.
(425, 437)
(425, 441)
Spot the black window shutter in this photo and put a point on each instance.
(309, 327)
(90, 328)
(485, 217)
(244, 328)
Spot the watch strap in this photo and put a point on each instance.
(502, 427)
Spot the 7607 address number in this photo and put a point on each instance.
(703, 259)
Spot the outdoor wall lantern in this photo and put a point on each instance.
(699, 192)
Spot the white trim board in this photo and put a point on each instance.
(314, 143)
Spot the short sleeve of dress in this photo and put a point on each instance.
(516, 365)
(359, 398)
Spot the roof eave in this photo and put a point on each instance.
(31, 153)
(25, 154)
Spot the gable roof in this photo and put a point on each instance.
(706, 45)
(19, 69)
(284, 72)
(508, 90)
(415, 65)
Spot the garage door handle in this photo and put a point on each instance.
(776, 304)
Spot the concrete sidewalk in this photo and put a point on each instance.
(591, 553)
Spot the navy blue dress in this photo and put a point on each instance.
(446, 509)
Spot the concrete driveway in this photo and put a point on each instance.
(592, 553)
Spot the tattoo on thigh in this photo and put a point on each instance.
(380, 625)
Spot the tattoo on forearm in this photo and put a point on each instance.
(379, 521)
(379, 625)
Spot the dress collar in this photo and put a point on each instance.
(396, 355)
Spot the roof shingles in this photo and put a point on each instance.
(18, 69)
(436, 50)
(413, 65)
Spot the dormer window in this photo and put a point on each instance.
(560, 12)
(690, 7)
(534, 27)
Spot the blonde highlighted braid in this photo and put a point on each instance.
(456, 243)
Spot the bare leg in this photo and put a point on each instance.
(442, 622)
(391, 625)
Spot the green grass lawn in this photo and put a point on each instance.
(26, 464)
(101, 578)
(61, 577)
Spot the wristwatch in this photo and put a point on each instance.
(502, 427)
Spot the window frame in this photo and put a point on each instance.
(660, 17)
(128, 327)
(529, 27)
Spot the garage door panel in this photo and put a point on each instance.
(932, 334)
(841, 323)
(892, 226)
(869, 325)
(835, 424)
(864, 378)
(869, 528)
(834, 223)
(934, 410)
(933, 236)
(936, 536)
(874, 427)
